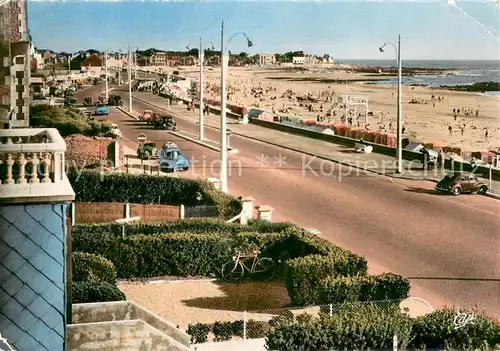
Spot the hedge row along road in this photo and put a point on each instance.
(447, 246)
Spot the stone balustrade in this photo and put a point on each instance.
(32, 165)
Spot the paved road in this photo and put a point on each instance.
(448, 246)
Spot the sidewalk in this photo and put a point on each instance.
(381, 164)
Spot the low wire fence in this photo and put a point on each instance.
(256, 324)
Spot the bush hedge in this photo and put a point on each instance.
(386, 286)
(94, 186)
(303, 275)
(86, 292)
(371, 327)
(67, 121)
(92, 268)
(224, 331)
(202, 253)
(438, 330)
(193, 226)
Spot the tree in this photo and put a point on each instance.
(193, 52)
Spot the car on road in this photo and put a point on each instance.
(147, 150)
(115, 100)
(101, 110)
(163, 122)
(461, 182)
(146, 116)
(171, 159)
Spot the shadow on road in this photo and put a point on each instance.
(422, 191)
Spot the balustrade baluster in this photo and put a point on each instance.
(46, 168)
(21, 162)
(35, 162)
(9, 162)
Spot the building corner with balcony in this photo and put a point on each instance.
(34, 246)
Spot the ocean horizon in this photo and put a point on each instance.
(460, 72)
(438, 64)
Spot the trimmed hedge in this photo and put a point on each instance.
(352, 329)
(94, 186)
(224, 331)
(86, 292)
(437, 330)
(371, 327)
(181, 254)
(386, 286)
(192, 226)
(192, 254)
(92, 268)
(303, 275)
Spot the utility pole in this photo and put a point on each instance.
(223, 125)
(200, 58)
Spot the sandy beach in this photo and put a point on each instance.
(428, 112)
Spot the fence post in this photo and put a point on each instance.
(244, 325)
(117, 155)
(395, 343)
(182, 212)
(73, 213)
(247, 209)
(265, 212)
(126, 163)
(127, 210)
(331, 310)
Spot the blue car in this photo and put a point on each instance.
(171, 159)
(101, 110)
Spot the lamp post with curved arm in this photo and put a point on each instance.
(223, 97)
(200, 59)
(129, 73)
(399, 146)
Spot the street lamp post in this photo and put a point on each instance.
(129, 80)
(106, 89)
(399, 126)
(223, 122)
(201, 57)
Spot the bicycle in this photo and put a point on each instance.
(233, 271)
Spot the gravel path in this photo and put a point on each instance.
(206, 302)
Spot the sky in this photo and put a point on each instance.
(432, 29)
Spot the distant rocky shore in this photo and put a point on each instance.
(476, 87)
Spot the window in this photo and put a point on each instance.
(462, 178)
(472, 178)
(19, 60)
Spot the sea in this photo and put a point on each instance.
(458, 72)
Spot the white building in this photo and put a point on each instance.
(298, 60)
(158, 59)
(267, 59)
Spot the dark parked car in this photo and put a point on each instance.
(147, 151)
(461, 182)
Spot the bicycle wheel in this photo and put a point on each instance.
(265, 268)
(232, 272)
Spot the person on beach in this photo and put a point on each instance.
(486, 134)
